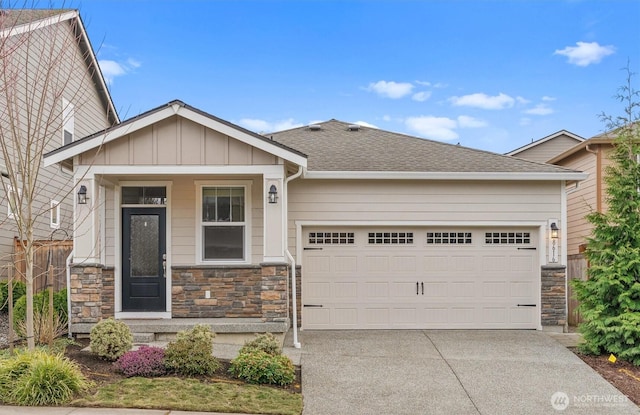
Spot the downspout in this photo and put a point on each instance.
(294, 294)
(68, 264)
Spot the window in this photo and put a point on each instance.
(12, 201)
(450, 238)
(54, 214)
(144, 195)
(223, 223)
(507, 238)
(390, 238)
(67, 122)
(331, 238)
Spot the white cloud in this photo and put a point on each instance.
(548, 98)
(262, 126)
(584, 54)
(386, 118)
(423, 83)
(540, 109)
(437, 128)
(522, 100)
(484, 101)
(366, 124)
(464, 121)
(110, 68)
(421, 96)
(393, 90)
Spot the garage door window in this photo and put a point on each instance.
(390, 238)
(507, 238)
(331, 238)
(449, 238)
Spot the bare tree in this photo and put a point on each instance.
(47, 74)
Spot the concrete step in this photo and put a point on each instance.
(143, 337)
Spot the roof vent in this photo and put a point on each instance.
(315, 127)
(353, 127)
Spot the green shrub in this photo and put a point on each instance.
(266, 342)
(19, 289)
(191, 353)
(43, 331)
(110, 339)
(39, 378)
(41, 302)
(260, 367)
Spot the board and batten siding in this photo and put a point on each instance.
(90, 115)
(413, 200)
(177, 141)
(544, 152)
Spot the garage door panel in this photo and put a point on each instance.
(366, 285)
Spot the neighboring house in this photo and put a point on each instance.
(48, 71)
(544, 149)
(190, 216)
(592, 157)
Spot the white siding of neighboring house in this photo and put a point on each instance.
(444, 201)
(90, 116)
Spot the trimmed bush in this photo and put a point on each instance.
(146, 362)
(260, 367)
(191, 353)
(110, 339)
(41, 302)
(19, 289)
(266, 342)
(39, 378)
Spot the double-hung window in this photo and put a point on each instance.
(54, 214)
(223, 223)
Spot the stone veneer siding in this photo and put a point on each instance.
(253, 291)
(86, 293)
(554, 295)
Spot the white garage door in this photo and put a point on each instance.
(453, 278)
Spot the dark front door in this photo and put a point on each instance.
(143, 250)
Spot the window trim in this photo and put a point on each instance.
(68, 121)
(54, 220)
(199, 224)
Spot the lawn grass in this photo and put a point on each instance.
(173, 393)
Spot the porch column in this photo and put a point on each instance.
(274, 223)
(86, 229)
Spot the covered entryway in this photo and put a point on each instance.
(421, 277)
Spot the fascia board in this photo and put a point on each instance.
(379, 175)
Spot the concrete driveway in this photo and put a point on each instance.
(449, 372)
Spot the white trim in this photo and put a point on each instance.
(118, 247)
(54, 207)
(248, 213)
(38, 24)
(120, 315)
(167, 112)
(68, 120)
(179, 170)
(392, 175)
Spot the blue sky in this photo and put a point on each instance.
(491, 75)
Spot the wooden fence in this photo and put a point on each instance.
(576, 269)
(54, 252)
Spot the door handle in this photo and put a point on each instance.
(164, 265)
(422, 285)
(417, 288)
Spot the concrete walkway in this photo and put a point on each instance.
(450, 372)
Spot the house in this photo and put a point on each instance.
(181, 214)
(51, 88)
(546, 148)
(591, 156)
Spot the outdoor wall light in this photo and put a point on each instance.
(273, 194)
(554, 230)
(82, 195)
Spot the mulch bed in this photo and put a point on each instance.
(102, 372)
(623, 375)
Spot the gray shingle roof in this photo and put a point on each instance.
(334, 147)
